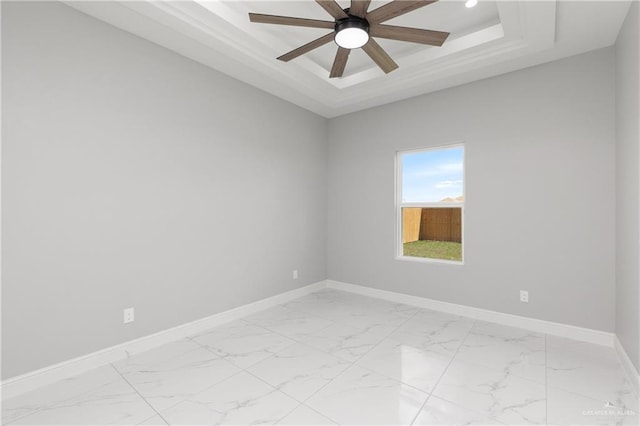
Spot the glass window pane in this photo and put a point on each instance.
(433, 233)
(433, 176)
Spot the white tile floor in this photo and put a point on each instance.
(339, 358)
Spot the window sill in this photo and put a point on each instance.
(429, 260)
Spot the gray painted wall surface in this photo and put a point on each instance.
(132, 176)
(539, 186)
(628, 185)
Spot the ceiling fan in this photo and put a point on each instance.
(355, 27)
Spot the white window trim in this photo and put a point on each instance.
(399, 205)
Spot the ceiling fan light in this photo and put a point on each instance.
(352, 33)
(352, 38)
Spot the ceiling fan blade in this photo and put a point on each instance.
(379, 56)
(307, 47)
(396, 8)
(286, 20)
(340, 62)
(333, 8)
(359, 7)
(414, 35)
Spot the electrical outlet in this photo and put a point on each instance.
(295, 274)
(524, 296)
(129, 315)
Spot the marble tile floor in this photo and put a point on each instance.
(339, 358)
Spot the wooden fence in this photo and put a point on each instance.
(437, 224)
(411, 224)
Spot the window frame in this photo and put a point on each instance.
(399, 205)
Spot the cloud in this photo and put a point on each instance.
(448, 184)
(442, 169)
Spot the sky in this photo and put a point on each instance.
(430, 176)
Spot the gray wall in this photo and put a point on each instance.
(539, 186)
(628, 185)
(132, 176)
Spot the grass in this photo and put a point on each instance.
(445, 250)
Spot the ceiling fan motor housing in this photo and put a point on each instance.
(351, 24)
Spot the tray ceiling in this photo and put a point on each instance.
(492, 38)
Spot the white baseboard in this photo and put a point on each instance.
(628, 366)
(47, 375)
(541, 326)
(44, 376)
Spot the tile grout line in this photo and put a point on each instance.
(300, 403)
(354, 364)
(36, 411)
(139, 394)
(40, 409)
(245, 369)
(295, 341)
(206, 348)
(493, 369)
(197, 393)
(443, 373)
(488, 368)
(319, 413)
(323, 328)
(380, 342)
(546, 384)
(200, 391)
(276, 389)
(390, 333)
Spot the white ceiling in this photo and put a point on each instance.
(490, 39)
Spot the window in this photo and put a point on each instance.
(430, 204)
